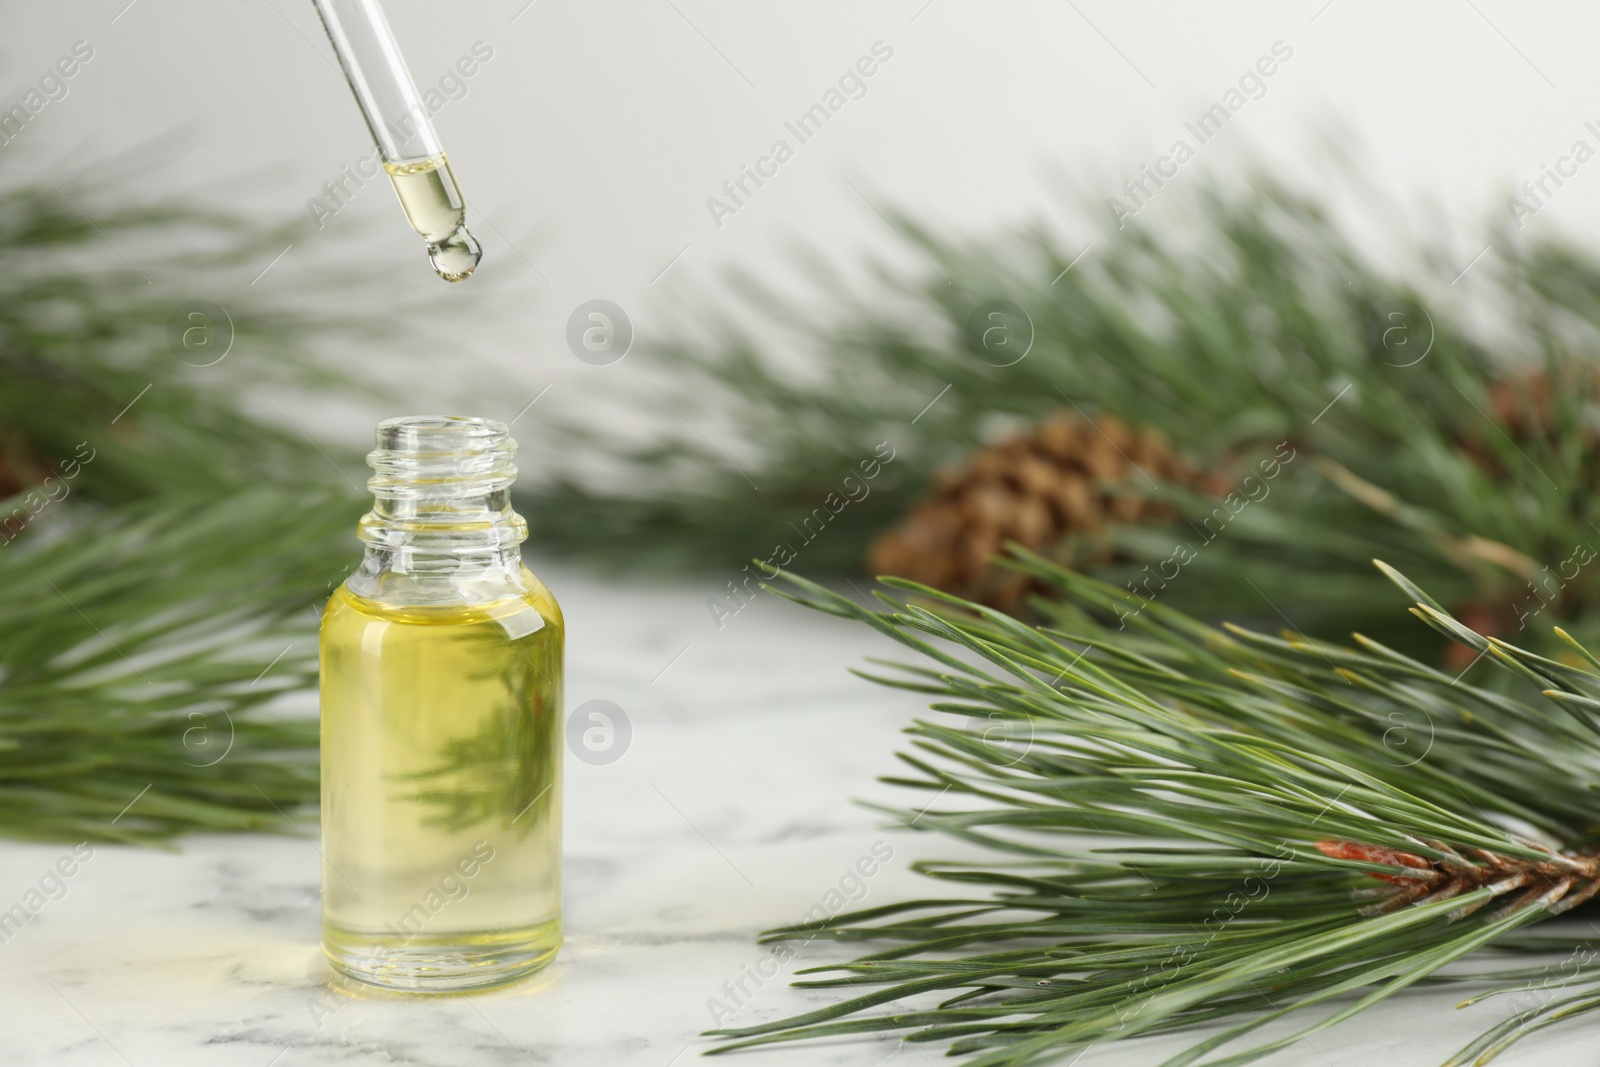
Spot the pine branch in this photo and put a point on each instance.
(88, 364)
(141, 655)
(165, 538)
(1208, 827)
(1264, 325)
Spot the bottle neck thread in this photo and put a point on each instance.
(441, 488)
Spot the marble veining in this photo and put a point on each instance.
(731, 812)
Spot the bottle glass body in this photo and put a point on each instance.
(441, 727)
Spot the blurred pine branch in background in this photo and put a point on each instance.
(1466, 460)
(167, 536)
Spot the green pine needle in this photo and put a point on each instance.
(165, 537)
(1194, 818)
(139, 653)
(1263, 324)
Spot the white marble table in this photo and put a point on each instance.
(730, 812)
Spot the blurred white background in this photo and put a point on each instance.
(591, 141)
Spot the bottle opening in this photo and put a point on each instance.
(442, 483)
(433, 433)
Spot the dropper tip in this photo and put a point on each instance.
(457, 256)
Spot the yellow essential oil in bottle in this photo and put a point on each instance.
(441, 726)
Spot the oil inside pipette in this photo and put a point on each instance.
(434, 206)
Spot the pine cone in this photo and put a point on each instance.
(19, 470)
(1525, 403)
(1523, 406)
(1069, 480)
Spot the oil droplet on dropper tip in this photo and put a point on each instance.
(457, 256)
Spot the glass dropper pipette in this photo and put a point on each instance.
(398, 119)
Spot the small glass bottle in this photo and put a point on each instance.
(441, 725)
